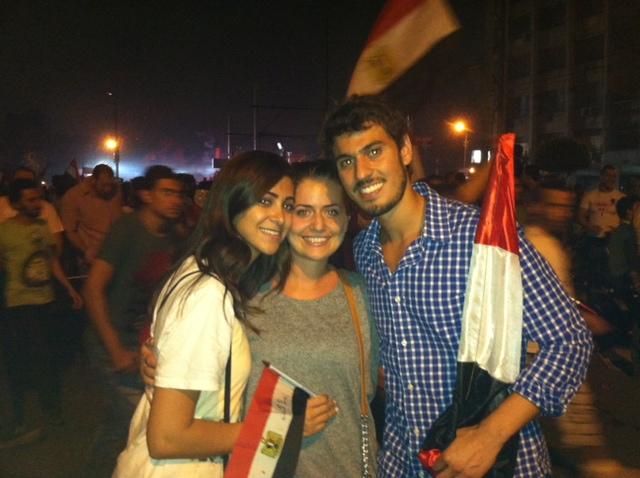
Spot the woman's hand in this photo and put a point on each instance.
(320, 409)
(148, 363)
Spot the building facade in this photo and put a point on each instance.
(569, 68)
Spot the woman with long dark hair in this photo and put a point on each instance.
(178, 427)
(304, 324)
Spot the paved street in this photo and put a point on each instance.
(599, 438)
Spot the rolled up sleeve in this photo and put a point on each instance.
(554, 323)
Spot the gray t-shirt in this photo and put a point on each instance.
(314, 342)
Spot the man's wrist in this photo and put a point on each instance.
(496, 433)
(509, 418)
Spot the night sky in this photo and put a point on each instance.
(177, 72)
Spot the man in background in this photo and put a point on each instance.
(29, 259)
(47, 212)
(597, 215)
(89, 209)
(624, 261)
(136, 253)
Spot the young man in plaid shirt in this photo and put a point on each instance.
(415, 257)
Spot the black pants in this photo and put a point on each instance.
(26, 346)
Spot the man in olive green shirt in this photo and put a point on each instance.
(27, 252)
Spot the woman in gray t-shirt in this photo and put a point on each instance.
(306, 330)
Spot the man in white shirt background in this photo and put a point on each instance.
(597, 215)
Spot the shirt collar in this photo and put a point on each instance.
(436, 225)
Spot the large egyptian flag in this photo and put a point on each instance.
(404, 32)
(491, 337)
(271, 436)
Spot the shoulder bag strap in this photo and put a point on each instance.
(364, 409)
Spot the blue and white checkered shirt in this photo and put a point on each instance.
(418, 310)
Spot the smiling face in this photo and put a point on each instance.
(264, 225)
(372, 168)
(319, 220)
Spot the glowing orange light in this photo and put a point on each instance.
(111, 144)
(459, 126)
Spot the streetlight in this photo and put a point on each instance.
(460, 127)
(112, 144)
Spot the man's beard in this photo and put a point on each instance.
(379, 210)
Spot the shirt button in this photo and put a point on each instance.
(410, 386)
(416, 430)
(404, 343)
(398, 299)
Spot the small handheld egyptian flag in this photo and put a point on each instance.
(271, 436)
(491, 337)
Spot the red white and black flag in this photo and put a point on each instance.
(491, 338)
(404, 32)
(72, 170)
(271, 436)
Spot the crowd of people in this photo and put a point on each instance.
(186, 300)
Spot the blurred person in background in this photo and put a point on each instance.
(191, 211)
(47, 211)
(548, 215)
(89, 209)
(597, 215)
(29, 258)
(634, 190)
(132, 194)
(136, 254)
(624, 261)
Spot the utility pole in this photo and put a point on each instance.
(116, 151)
(228, 136)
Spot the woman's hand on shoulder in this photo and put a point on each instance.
(320, 409)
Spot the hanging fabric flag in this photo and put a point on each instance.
(271, 436)
(491, 339)
(72, 170)
(404, 32)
